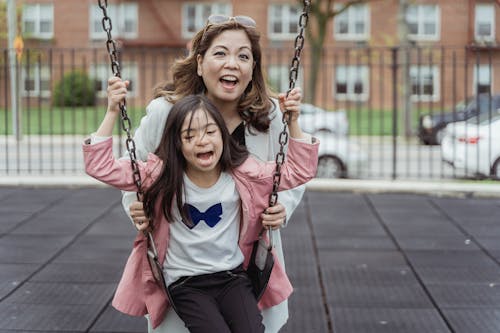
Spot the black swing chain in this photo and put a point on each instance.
(294, 72)
(126, 124)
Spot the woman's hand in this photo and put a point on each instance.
(274, 217)
(291, 103)
(117, 91)
(138, 215)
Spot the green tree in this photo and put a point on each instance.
(321, 12)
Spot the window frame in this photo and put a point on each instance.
(118, 15)
(278, 77)
(491, 36)
(420, 21)
(286, 17)
(476, 80)
(200, 18)
(436, 95)
(351, 22)
(37, 75)
(37, 20)
(350, 71)
(101, 72)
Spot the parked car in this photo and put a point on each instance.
(340, 157)
(314, 119)
(472, 147)
(431, 126)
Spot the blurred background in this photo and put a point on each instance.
(395, 89)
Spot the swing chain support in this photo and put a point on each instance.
(294, 72)
(126, 123)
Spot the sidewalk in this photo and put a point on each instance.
(359, 261)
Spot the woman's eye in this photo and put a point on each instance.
(245, 56)
(219, 53)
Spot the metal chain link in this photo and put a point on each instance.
(294, 72)
(126, 123)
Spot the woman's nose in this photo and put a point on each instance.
(231, 62)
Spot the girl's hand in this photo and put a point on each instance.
(138, 215)
(274, 216)
(117, 91)
(291, 103)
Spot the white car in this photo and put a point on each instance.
(472, 147)
(339, 157)
(314, 120)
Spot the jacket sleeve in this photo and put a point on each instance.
(101, 164)
(147, 137)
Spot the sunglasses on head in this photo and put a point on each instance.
(246, 21)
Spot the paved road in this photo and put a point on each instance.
(398, 263)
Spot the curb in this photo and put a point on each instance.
(436, 188)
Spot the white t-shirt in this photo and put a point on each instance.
(211, 244)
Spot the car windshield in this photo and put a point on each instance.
(484, 103)
(484, 117)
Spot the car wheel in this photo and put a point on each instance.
(495, 169)
(330, 167)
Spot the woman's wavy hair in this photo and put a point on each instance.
(255, 103)
(169, 186)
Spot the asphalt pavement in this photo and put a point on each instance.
(359, 262)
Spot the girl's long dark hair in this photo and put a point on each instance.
(170, 183)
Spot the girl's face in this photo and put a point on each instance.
(227, 66)
(202, 146)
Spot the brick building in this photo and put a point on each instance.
(452, 46)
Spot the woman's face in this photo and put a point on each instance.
(201, 144)
(227, 66)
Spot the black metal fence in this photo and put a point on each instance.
(393, 99)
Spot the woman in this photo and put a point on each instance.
(205, 194)
(225, 63)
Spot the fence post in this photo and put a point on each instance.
(394, 68)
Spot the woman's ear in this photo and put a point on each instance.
(199, 60)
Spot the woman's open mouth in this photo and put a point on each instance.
(229, 81)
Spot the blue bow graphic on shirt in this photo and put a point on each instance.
(211, 216)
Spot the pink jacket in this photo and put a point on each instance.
(137, 293)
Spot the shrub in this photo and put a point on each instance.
(74, 89)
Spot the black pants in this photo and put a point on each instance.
(221, 302)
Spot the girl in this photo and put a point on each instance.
(205, 195)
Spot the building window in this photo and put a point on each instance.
(484, 26)
(424, 83)
(283, 21)
(195, 15)
(279, 78)
(124, 18)
(100, 73)
(352, 23)
(423, 22)
(36, 81)
(351, 83)
(482, 79)
(38, 21)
